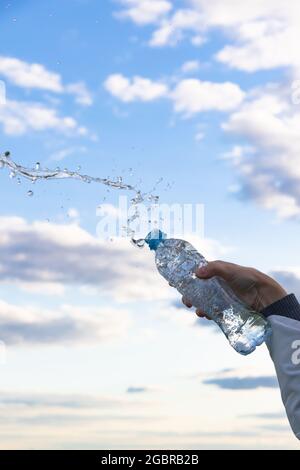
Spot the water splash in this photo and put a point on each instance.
(39, 173)
(140, 243)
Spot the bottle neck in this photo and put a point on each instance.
(154, 244)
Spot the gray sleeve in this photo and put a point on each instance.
(284, 348)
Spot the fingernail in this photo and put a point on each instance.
(186, 303)
(202, 271)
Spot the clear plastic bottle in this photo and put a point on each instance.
(177, 261)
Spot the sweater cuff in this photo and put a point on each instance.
(288, 307)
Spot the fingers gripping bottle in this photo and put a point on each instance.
(177, 261)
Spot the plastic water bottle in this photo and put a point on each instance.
(177, 261)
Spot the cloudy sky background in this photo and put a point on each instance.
(99, 351)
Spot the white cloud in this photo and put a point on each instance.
(170, 27)
(198, 40)
(190, 96)
(289, 278)
(28, 75)
(67, 324)
(19, 117)
(42, 418)
(36, 76)
(135, 89)
(190, 66)
(43, 288)
(73, 213)
(81, 93)
(59, 155)
(53, 253)
(171, 30)
(268, 46)
(263, 30)
(165, 35)
(269, 168)
(232, 13)
(262, 33)
(144, 11)
(193, 96)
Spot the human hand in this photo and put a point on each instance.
(251, 286)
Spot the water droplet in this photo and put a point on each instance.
(30, 193)
(37, 166)
(139, 243)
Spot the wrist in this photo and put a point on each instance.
(271, 291)
(287, 307)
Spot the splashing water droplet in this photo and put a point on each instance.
(38, 173)
(30, 193)
(139, 243)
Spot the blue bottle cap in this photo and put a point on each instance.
(154, 238)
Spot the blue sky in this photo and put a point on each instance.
(196, 92)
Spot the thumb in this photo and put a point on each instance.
(217, 268)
